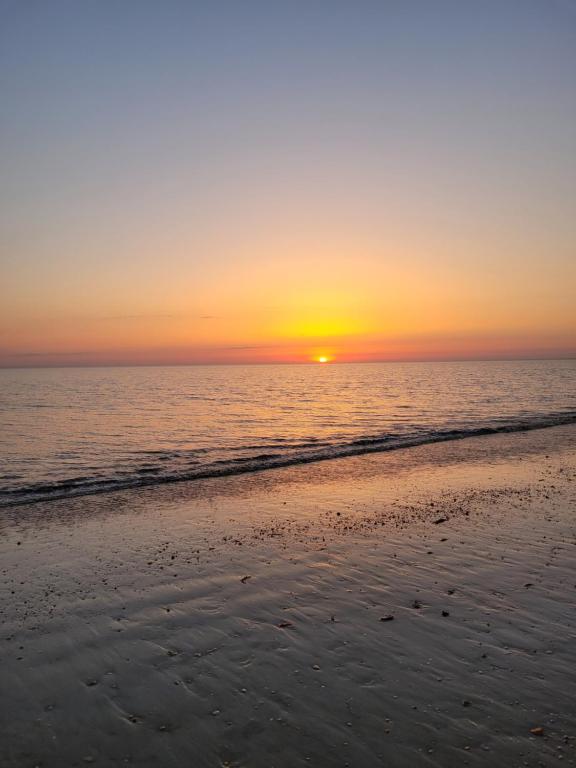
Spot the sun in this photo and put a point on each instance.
(322, 359)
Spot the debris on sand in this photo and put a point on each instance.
(244, 579)
(538, 731)
(440, 520)
(388, 617)
(285, 624)
(416, 604)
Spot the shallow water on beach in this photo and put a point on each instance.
(67, 432)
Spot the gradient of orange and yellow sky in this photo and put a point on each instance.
(274, 182)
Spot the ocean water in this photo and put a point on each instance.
(66, 432)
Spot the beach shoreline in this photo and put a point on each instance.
(412, 608)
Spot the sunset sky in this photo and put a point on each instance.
(271, 181)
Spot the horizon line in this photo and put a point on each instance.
(488, 359)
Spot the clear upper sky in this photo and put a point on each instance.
(261, 181)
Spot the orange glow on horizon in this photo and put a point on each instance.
(358, 311)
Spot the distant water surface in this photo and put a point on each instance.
(67, 432)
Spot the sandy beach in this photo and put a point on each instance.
(404, 609)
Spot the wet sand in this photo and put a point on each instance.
(408, 609)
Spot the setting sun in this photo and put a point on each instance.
(322, 359)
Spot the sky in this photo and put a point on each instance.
(262, 181)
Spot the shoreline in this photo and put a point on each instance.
(238, 621)
(260, 463)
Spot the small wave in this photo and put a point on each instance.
(247, 459)
(306, 452)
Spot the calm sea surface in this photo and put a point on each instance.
(67, 432)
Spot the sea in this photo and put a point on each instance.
(74, 431)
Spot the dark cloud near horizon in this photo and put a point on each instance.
(145, 316)
(46, 354)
